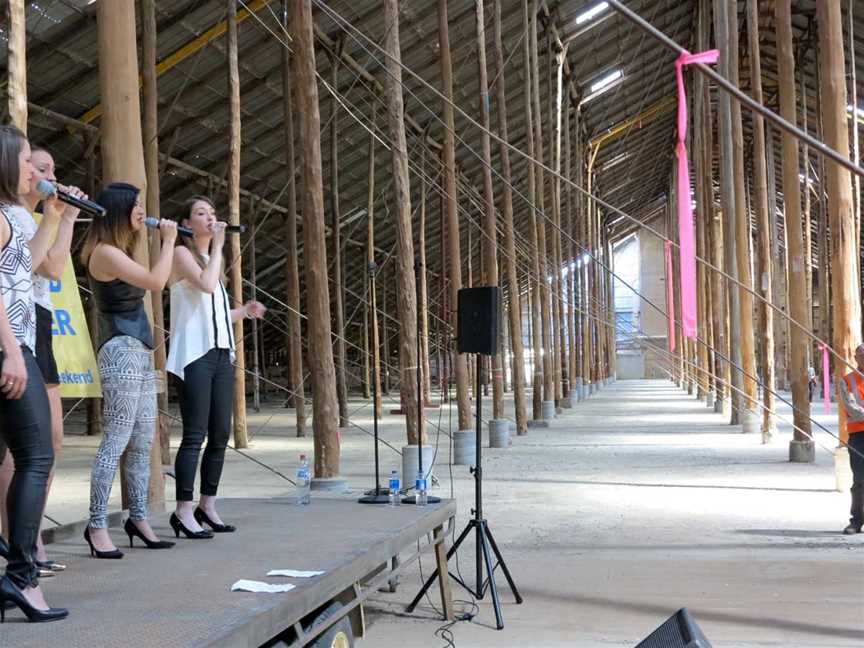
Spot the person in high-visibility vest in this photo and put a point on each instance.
(852, 393)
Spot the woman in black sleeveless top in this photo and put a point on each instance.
(120, 285)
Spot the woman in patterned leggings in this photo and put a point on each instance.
(119, 285)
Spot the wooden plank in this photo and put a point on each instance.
(16, 68)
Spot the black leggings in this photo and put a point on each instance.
(206, 404)
(25, 427)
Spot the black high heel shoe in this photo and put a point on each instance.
(113, 554)
(133, 531)
(11, 594)
(202, 518)
(178, 526)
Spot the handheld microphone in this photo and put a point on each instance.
(235, 229)
(48, 189)
(154, 224)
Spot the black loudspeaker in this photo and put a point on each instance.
(479, 310)
(678, 631)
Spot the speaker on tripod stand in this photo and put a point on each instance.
(477, 332)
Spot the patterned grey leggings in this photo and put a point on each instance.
(129, 420)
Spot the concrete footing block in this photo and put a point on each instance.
(802, 451)
(566, 403)
(538, 424)
(580, 390)
(328, 484)
(499, 433)
(718, 405)
(410, 463)
(750, 422)
(709, 400)
(842, 470)
(464, 448)
(548, 410)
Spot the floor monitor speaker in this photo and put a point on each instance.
(678, 631)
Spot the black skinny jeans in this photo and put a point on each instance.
(206, 404)
(25, 428)
(856, 462)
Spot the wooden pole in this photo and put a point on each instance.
(540, 191)
(569, 258)
(406, 295)
(241, 439)
(256, 350)
(845, 294)
(336, 243)
(449, 153)
(423, 297)
(325, 419)
(367, 384)
(746, 312)
(490, 247)
(778, 268)
(763, 216)
(16, 63)
(514, 309)
(385, 336)
(562, 375)
(727, 194)
(292, 272)
(535, 278)
(856, 155)
(123, 147)
(372, 269)
(801, 447)
(150, 127)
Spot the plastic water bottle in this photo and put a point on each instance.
(303, 479)
(420, 494)
(395, 495)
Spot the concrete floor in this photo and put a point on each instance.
(630, 505)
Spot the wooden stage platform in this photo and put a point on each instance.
(181, 596)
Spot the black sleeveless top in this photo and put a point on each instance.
(121, 311)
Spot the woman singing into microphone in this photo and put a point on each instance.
(120, 285)
(51, 267)
(201, 354)
(25, 421)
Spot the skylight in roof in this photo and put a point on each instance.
(606, 81)
(594, 11)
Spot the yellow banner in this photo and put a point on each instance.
(73, 350)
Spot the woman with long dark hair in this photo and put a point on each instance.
(25, 420)
(119, 286)
(50, 268)
(201, 355)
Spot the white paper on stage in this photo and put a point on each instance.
(294, 573)
(244, 585)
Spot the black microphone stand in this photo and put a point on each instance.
(430, 499)
(378, 495)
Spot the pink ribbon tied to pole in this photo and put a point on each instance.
(826, 381)
(686, 227)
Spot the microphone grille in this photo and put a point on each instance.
(45, 188)
(151, 222)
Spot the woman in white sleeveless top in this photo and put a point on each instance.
(201, 354)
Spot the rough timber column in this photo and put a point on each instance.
(150, 129)
(490, 243)
(122, 145)
(727, 199)
(423, 297)
(514, 310)
(563, 374)
(846, 307)
(336, 242)
(449, 154)
(763, 216)
(325, 418)
(801, 448)
(292, 272)
(406, 295)
(746, 313)
(571, 274)
(540, 192)
(236, 264)
(16, 59)
(535, 274)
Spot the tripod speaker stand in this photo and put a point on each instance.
(478, 312)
